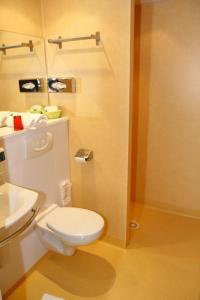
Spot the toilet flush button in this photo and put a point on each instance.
(38, 144)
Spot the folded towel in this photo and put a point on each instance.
(3, 117)
(28, 120)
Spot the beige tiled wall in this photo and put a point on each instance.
(99, 111)
(20, 21)
(169, 106)
(18, 64)
(21, 16)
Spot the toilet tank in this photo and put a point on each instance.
(39, 159)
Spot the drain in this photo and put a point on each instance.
(134, 225)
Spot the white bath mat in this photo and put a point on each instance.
(50, 297)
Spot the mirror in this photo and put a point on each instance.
(21, 63)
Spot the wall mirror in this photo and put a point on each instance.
(20, 63)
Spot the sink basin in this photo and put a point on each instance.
(17, 209)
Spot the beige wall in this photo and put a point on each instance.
(99, 111)
(169, 106)
(18, 64)
(20, 20)
(21, 16)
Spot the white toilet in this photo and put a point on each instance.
(62, 229)
(45, 155)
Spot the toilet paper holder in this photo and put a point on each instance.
(84, 154)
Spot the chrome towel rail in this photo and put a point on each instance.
(7, 239)
(3, 47)
(60, 40)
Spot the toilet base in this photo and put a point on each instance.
(54, 223)
(69, 251)
(53, 243)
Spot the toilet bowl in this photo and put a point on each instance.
(63, 229)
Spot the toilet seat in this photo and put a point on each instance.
(76, 226)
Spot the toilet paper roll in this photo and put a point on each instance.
(80, 160)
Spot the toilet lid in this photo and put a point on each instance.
(75, 221)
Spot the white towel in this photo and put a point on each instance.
(3, 117)
(28, 120)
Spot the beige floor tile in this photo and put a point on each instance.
(161, 263)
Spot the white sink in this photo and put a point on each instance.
(16, 205)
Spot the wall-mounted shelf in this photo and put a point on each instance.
(3, 47)
(60, 40)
